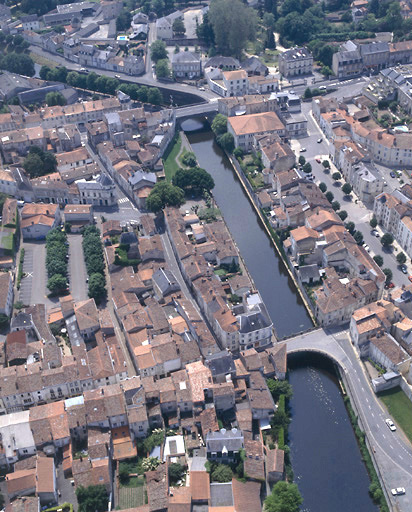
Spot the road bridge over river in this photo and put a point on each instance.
(391, 450)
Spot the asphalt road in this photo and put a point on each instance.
(393, 452)
(77, 268)
(359, 213)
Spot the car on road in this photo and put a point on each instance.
(318, 160)
(302, 150)
(390, 424)
(398, 491)
(404, 269)
(202, 89)
(319, 140)
(117, 76)
(375, 232)
(410, 278)
(392, 174)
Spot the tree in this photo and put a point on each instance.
(280, 387)
(269, 20)
(158, 50)
(233, 24)
(388, 274)
(227, 142)
(336, 205)
(285, 497)
(222, 473)
(44, 72)
(326, 71)
(346, 188)
(343, 214)
(302, 160)
(329, 196)
(164, 194)
(189, 159)
(219, 124)
(387, 240)
(193, 180)
(154, 96)
(350, 226)
(57, 283)
(179, 27)
(270, 39)
(123, 473)
(336, 176)
(92, 499)
(323, 187)
(307, 168)
(401, 258)
(33, 165)
(205, 32)
(162, 68)
(373, 222)
(97, 287)
(357, 235)
(378, 260)
(123, 21)
(326, 164)
(39, 162)
(308, 93)
(18, 63)
(55, 98)
(4, 322)
(280, 420)
(176, 471)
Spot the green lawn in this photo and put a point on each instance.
(400, 408)
(169, 162)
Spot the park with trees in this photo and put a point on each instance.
(94, 259)
(56, 261)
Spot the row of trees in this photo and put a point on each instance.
(223, 137)
(56, 260)
(39, 162)
(93, 256)
(101, 83)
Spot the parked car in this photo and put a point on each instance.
(390, 285)
(302, 150)
(319, 140)
(410, 278)
(392, 174)
(398, 491)
(117, 76)
(404, 269)
(318, 160)
(390, 424)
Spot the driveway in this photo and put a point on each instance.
(77, 268)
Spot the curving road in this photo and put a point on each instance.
(393, 452)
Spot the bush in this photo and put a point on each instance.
(176, 472)
(373, 222)
(222, 473)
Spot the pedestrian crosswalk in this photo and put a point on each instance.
(123, 200)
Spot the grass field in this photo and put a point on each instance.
(400, 408)
(169, 162)
(42, 61)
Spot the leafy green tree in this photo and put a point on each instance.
(227, 142)
(158, 50)
(205, 32)
(189, 159)
(357, 235)
(387, 240)
(17, 63)
(55, 98)
(350, 226)
(373, 222)
(97, 287)
(329, 196)
(346, 188)
(44, 72)
(302, 160)
(123, 473)
(343, 214)
(123, 21)
(57, 283)
(179, 27)
(336, 176)
(162, 68)
(233, 25)
(401, 258)
(308, 93)
(219, 124)
(153, 94)
(158, 6)
(222, 473)
(323, 187)
(326, 71)
(336, 205)
(4, 323)
(164, 194)
(307, 168)
(176, 471)
(285, 497)
(193, 180)
(269, 20)
(326, 164)
(280, 387)
(378, 260)
(33, 165)
(270, 39)
(92, 499)
(388, 274)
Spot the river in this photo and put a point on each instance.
(278, 291)
(324, 452)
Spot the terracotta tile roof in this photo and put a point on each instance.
(200, 485)
(256, 123)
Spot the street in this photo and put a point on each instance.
(77, 268)
(359, 213)
(392, 452)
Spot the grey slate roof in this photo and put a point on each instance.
(128, 238)
(185, 57)
(230, 440)
(221, 363)
(165, 280)
(255, 320)
(221, 495)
